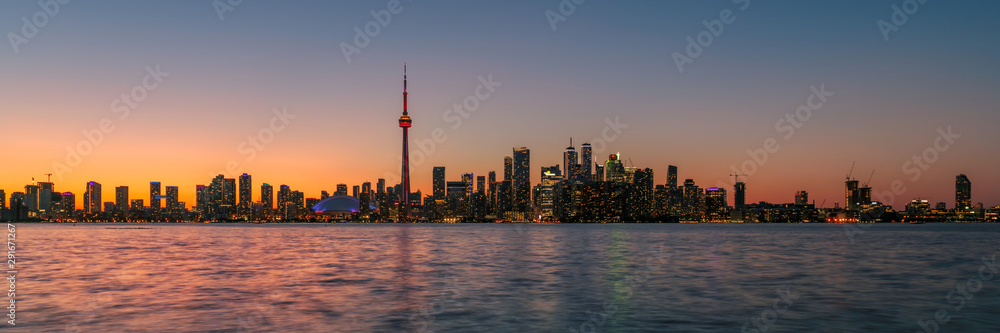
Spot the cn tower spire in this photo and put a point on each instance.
(405, 122)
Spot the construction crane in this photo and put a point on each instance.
(50, 177)
(869, 178)
(849, 173)
(736, 178)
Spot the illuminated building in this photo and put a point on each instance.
(136, 205)
(267, 200)
(154, 196)
(598, 173)
(491, 194)
(671, 176)
(963, 192)
(853, 196)
(246, 196)
(31, 199)
(614, 169)
(68, 204)
(93, 197)
(740, 199)
(3, 200)
(547, 193)
(201, 198)
(522, 179)
(356, 191)
(715, 204)
(341, 190)
(173, 206)
(570, 161)
(45, 190)
(121, 198)
(586, 161)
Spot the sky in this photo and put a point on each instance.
(204, 84)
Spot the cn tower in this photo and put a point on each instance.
(404, 122)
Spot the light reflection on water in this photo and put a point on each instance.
(497, 278)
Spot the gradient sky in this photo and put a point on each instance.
(607, 59)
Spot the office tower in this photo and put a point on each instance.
(267, 198)
(963, 192)
(547, 193)
(741, 195)
(17, 208)
(229, 197)
(586, 161)
(570, 161)
(481, 185)
(551, 169)
(45, 190)
(853, 196)
(366, 188)
(154, 196)
(172, 200)
(3, 200)
(522, 179)
(355, 191)
(690, 201)
(508, 168)
(121, 198)
(109, 206)
(405, 122)
(615, 169)
(671, 176)
(598, 173)
(715, 204)
(93, 198)
(801, 198)
(491, 194)
(865, 196)
(246, 196)
(323, 195)
(941, 206)
(439, 185)
(201, 198)
(68, 204)
(284, 197)
(31, 199)
(641, 199)
(341, 189)
(381, 186)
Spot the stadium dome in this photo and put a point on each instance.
(337, 204)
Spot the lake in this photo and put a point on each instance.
(507, 278)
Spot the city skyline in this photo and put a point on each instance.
(323, 117)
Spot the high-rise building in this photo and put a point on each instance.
(522, 179)
(671, 176)
(201, 194)
(381, 186)
(93, 198)
(801, 198)
(246, 196)
(109, 206)
(3, 200)
(715, 204)
(491, 194)
(405, 122)
(963, 192)
(508, 168)
(641, 200)
(121, 198)
(481, 185)
(136, 205)
(547, 193)
(551, 169)
(570, 161)
(18, 210)
(586, 161)
(45, 191)
(615, 169)
(172, 200)
(68, 204)
(598, 173)
(741, 196)
(31, 199)
(356, 191)
(229, 197)
(366, 188)
(341, 189)
(439, 185)
(284, 200)
(154, 196)
(853, 196)
(267, 199)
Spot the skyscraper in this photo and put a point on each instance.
(741, 195)
(439, 185)
(491, 194)
(715, 204)
(598, 172)
(3, 200)
(405, 122)
(341, 189)
(267, 199)
(853, 196)
(246, 196)
(93, 198)
(381, 187)
(672, 176)
(68, 204)
(522, 179)
(586, 160)
(356, 191)
(172, 203)
(481, 185)
(31, 198)
(615, 169)
(154, 196)
(508, 168)
(570, 161)
(121, 198)
(45, 190)
(963, 192)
